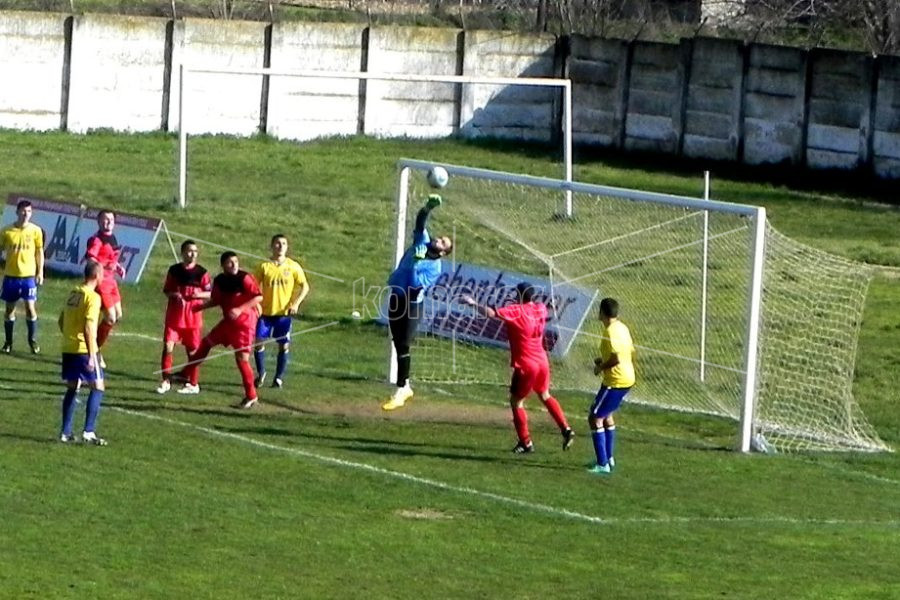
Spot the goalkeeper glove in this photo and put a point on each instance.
(434, 200)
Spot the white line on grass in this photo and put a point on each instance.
(533, 506)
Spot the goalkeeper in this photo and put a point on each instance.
(418, 270)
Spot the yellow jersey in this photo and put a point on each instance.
(617, 340)
(82, 306)
(20, 245)
(280, 285)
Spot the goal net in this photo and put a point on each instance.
(729, 317)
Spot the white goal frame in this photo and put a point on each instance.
(184, 109)
(757, 225)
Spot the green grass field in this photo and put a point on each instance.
(318, 494)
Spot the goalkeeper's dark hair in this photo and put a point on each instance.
(526, 292)
(226, 256)
(609, 308)
(187, 243)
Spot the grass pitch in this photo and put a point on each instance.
(320, 495)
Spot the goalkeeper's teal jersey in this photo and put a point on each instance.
(415, 273)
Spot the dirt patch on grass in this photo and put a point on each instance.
(425, 514)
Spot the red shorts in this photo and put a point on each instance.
(188, 336)
(228, 333)
(109, 292)
(532, 378)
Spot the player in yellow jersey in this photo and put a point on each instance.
(78, 324)
(616, 366)
(22, 243)
(284, 286)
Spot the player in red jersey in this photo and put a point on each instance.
(187, 286)
(239, 296)
(103, 248)
(525, 321)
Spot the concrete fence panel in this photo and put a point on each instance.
(713, 103)
(774, 105)
(413, 109)
(216, 103)
(32, 53)
(886, 134)
(118, 65)
(839, 104)
(653, 120)
(513, 111)
(598, 69)
(307, 108)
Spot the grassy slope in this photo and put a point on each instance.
(170, 508)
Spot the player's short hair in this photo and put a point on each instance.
(22, 204)
(526, 291)
(187, 243)
(92, 269)
(609, 308)
(106, 211)
(226, 256)
(277, 236)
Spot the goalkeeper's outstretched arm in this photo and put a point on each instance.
(433, 202)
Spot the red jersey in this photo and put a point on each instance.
(105, 250)
(525, 331)
(180, 313)
(230, 291)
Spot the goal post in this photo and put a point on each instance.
(695, 278)
(185, 107)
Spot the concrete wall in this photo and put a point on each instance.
(32, 51)
(216, 103)
(517, 112)
(301, 108)
(886, 122)
(839, 99)
(774, 102)
(713, 100)
(656, 84)
(118, 65)
(414, 109)
(701, 98)
(598, 69)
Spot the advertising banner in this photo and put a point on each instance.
(68, 226)
(445, 316)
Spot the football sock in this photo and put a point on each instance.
(103, 330)
(31, 324)
(520, 421)
(610, 440)
(166, 364)
(68, 410)
(556, 412)
(282, 364)
(93, 409)
(192, 371)
(8, 325)
(598, 436)
(259, 356)
(246, 377)
(403, 364)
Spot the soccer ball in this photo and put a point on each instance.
(438, 177)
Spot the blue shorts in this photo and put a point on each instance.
(74, 368)
(278, 327)
(18, 288)
(608, 401)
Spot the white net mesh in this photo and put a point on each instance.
(650, 257)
